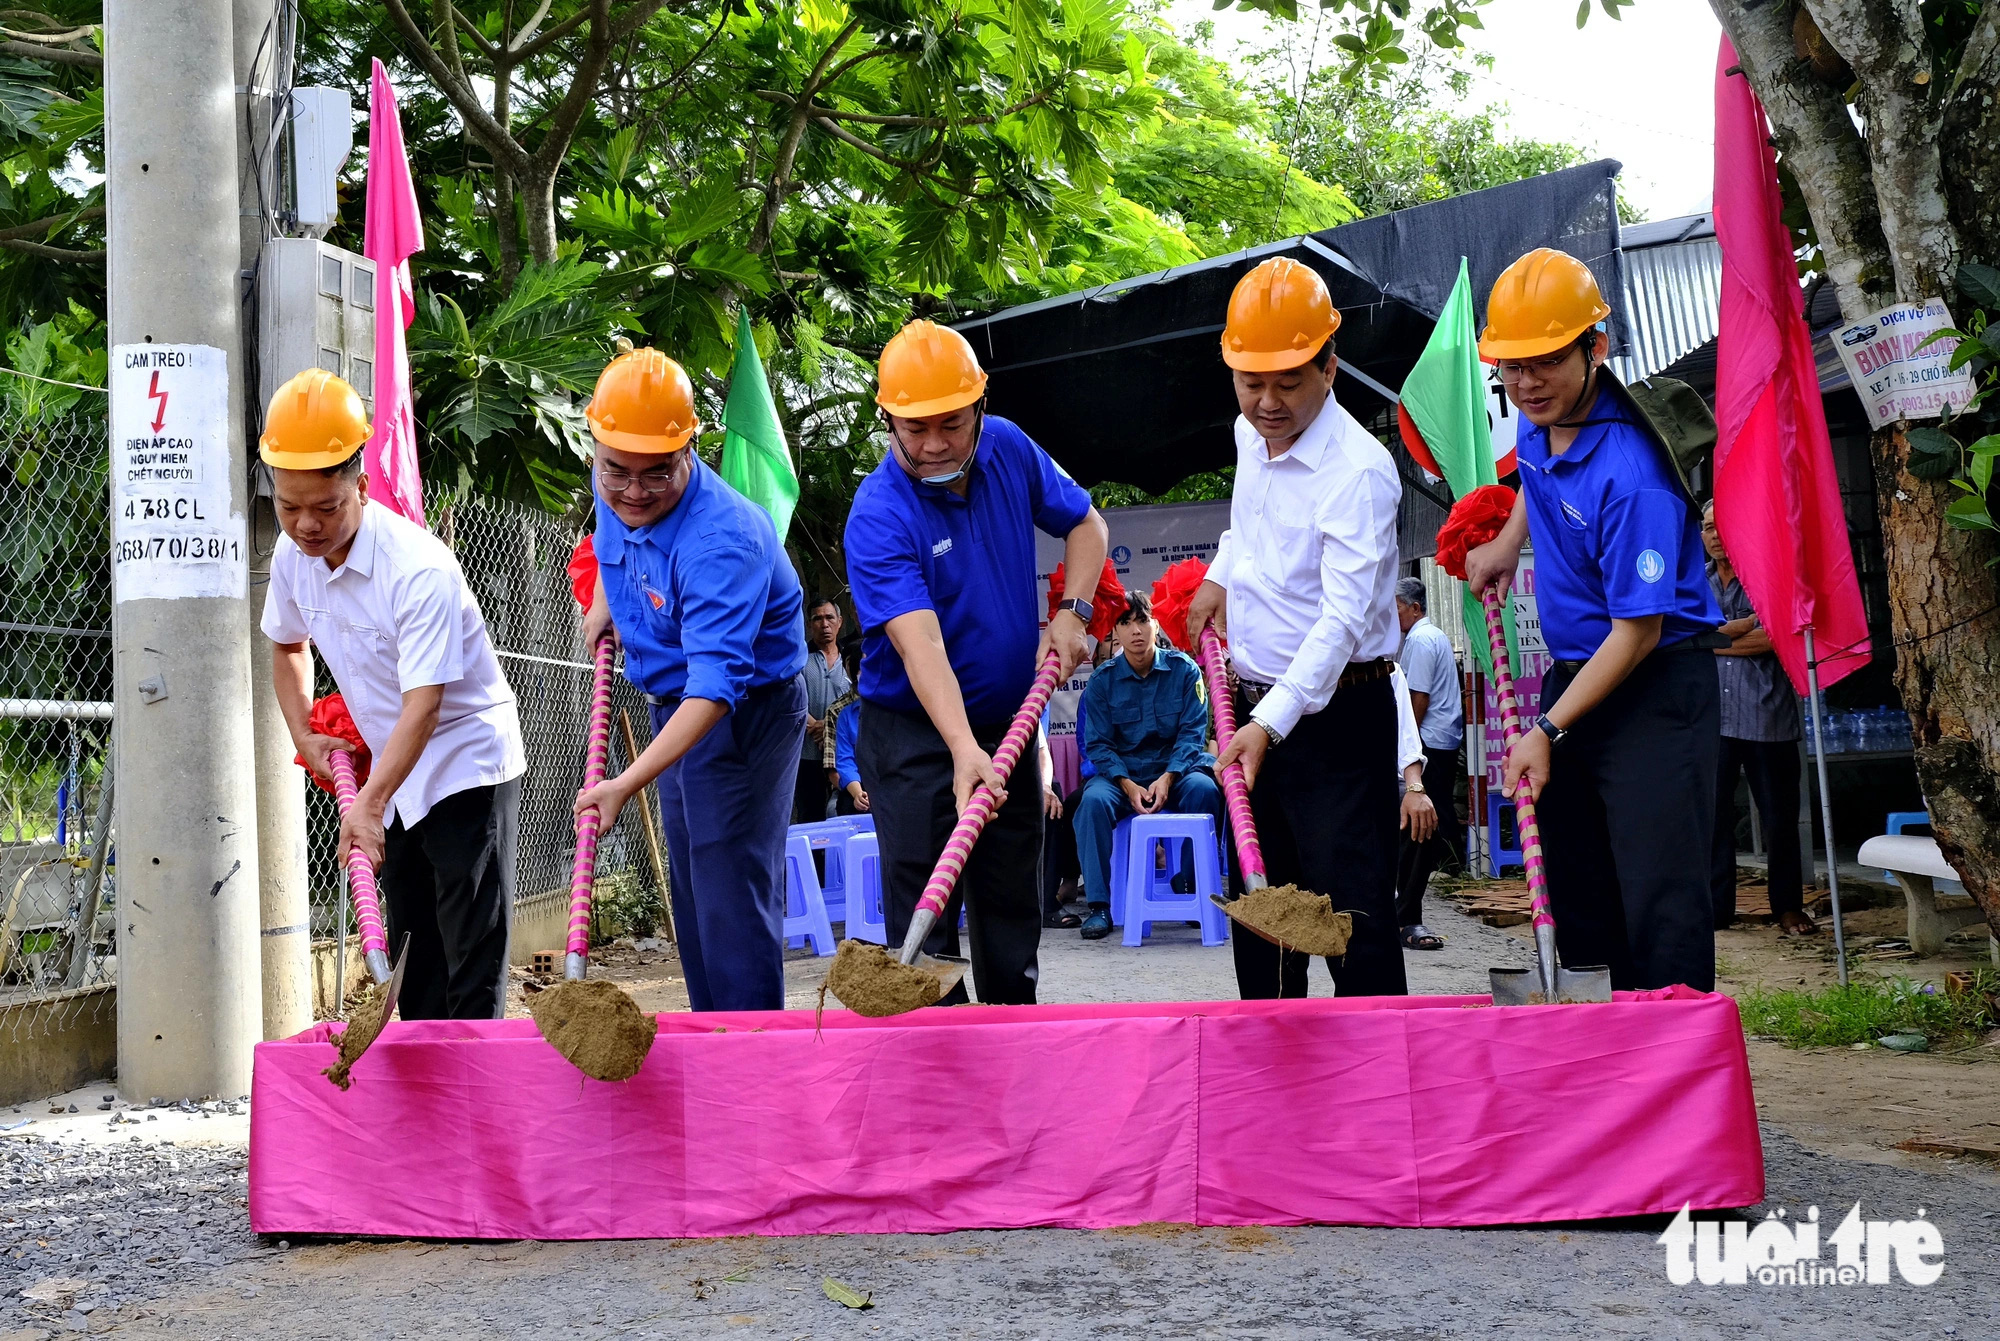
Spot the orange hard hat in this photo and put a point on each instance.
(1542, 303)
(314, 421)
(928, 369)
(643, 403)
(1279, 317)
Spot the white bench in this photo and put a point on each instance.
(1916, 863)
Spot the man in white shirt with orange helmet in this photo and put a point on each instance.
(1304, 585)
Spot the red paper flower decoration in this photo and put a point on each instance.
(330, 717)
(582, 571)
(1474, 520)
(1173, 594)
(1105, 606)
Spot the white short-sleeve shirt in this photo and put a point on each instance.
(397, 616)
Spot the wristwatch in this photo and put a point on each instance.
(1268, 730)
(1415, 788)
(1550, 729)
(1081, 609)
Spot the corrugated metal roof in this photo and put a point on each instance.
(1673, 291)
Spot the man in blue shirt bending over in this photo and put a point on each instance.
(1148, 741)
(1622, 760)
(702, 596)
(941, 560)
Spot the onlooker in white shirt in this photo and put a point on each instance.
(1432, 666)
(1304, 583)
(387, 606)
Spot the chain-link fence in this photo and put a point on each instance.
(55, 716)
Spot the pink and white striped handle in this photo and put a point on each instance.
(980, 809)
(360, 874)
(1235, 789)
(583, 870)
(1524, 804)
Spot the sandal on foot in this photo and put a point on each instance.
(1063, 921)
(1420, 937)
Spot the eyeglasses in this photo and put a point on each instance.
(1512, 370)
(654, 482)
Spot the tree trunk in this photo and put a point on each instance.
(1947, 631)
(507, 227)
(538, 206)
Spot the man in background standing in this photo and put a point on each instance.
(1432, 672)
(1760, 733)
(826, 681)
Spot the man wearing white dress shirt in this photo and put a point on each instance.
(387, 606)
(1303, 584)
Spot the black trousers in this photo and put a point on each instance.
(1415, 861)
(1773, 767)
(448, 883)
(1325, 806)
(1628, 810)
(809, 792)
(906, 771)
(1059, 861)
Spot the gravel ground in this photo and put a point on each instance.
(155, 1226)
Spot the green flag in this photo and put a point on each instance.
(1444, 398)
(755, 459)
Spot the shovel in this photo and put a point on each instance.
(1330, 936)
(949, 973)
(1552, 982)
(595, 1025)
(379, 1003)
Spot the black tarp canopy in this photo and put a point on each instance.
(1126, 382)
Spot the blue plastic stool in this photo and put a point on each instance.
(805, 907)
(1500, 821)
(862, 859)
(829, 837)
(1140, 896)
(1900, 820)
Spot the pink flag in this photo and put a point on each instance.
(1777, 499)
(393, 233)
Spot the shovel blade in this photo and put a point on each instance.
(1511, 986)
(1591, 984)
(395, 991)
(949, 970)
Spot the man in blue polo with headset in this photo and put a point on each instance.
(941, 560)
(1622, 760)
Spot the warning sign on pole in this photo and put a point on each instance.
(173, 534)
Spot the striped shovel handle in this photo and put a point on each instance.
(360, 874)
(1235, 791)
(1524, 805)
(980, 809)
(584, 869)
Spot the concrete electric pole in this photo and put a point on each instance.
(188, 960)
(262, 55)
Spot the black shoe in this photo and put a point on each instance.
(1098, 925)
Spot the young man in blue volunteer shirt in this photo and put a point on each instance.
(1622, 761)
(1148, 742)
(704, 600)
(941, 560)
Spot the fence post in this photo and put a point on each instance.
(189, 1009)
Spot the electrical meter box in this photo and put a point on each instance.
(316, 309)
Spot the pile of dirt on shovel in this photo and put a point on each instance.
(1296, 919)
(596, 1026)
(868, 980)
(365, 1022)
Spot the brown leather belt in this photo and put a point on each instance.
(1357, 672)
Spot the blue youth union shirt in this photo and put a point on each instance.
(1614, 536)
(705, 599)
(971, 560)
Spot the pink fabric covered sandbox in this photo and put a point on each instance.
(1383, 1110)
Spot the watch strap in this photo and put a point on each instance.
(1550, 729)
